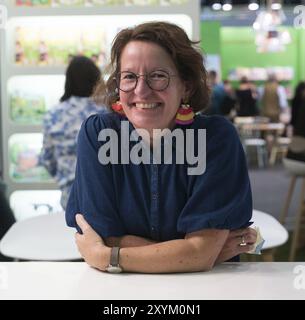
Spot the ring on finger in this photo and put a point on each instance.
(243, 241)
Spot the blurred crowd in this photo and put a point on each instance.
(249, 100)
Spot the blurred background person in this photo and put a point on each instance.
(246, 99)
(273, 99)
(296, 149)
(218, 94)
(62, 123)
(227, 107)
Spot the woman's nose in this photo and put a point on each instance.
(142, 88)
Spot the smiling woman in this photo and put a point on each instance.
(143, 105)
(157, 217)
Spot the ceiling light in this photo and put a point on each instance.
(227, 6)
(253, 5)
(216, 6)
(276, 6)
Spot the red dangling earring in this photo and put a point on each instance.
(185, 114)
(117, 107)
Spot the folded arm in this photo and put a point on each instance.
(230, 249)
(128, 241)
(198, 251)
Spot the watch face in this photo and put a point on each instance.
(114, 269)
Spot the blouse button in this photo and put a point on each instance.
(154, 196)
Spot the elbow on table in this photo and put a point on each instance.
(208, 266)
(202, 259)
(204, 265)
(201, 268)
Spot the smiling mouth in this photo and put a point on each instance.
(146, 105)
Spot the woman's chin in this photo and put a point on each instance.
(145, 121)
(145, 124)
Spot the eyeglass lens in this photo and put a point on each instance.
(156, 80)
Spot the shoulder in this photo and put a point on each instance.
(103, 120)
(93, 127)
(221, 135)
(58, 108)
(55, 114)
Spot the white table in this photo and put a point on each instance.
(45, 237)
(76, 280)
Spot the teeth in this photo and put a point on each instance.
(146, 105)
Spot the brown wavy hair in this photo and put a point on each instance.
(185, 54)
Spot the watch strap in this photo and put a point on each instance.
(115, 256)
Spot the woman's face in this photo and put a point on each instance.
(146, 108)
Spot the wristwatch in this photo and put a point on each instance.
(114, 266)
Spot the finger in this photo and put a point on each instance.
(238, 232)
(247, 238)
(233, 234)
(244, 249)
(253, 234)
(78, 243)
(250, 238)
(250, 235)
(77, 236)
(82, 223)
(242, 241)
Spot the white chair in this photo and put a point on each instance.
(280, 147)
(45, 238)
(272, 231)
(251, 139)
(260, 146)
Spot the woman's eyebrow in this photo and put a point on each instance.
(151, 70)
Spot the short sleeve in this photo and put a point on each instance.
(92, 192)
(221, 197)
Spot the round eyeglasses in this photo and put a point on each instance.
(157, 80)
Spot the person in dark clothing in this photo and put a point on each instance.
(218, 95)
(298, 110)
(228, 105)
(296, 149)
(6, 219)
(246, 98)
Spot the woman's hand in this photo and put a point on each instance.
(239, 241)
(91, 246)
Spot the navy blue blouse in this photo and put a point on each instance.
(161, 201)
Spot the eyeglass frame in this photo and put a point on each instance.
(145, 78)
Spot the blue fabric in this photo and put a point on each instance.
(161, 202)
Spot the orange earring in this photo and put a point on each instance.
(117, 107)
(185, 114)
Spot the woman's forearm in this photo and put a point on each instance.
(197, 252)
(143, 255)
(128, 241)
(165, 257)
